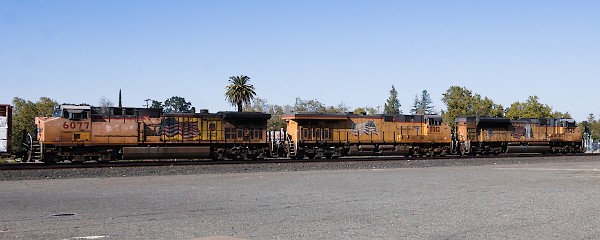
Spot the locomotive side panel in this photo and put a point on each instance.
(366, 130)
(63, 132)
(212, 129)
(115, 133)
(180, 129)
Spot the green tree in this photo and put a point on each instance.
(392, 106)
(416, 105)
(24, 113)
(257, 105)
(560, 115)
(156, 104)
(239, 91)
(422, 105)
(275, 122)
(261, 105)
(308, 106)
(178, 105)
(460, 101)
(314, 105)
(340, 108)
(365, 110)
(486, 107)
(594, 125)
(531, 108)
(105, 102)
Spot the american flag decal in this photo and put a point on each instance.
(170, 127)
(368, 128)
(518, 132)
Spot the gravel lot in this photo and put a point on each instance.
(556, 199)
(17, 175)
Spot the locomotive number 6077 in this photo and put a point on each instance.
(76, 125)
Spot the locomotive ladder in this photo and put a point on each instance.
(35, 152)
(291, 148)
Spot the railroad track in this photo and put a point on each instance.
(150, 163)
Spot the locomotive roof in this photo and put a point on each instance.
(76, 107)
(316, 115)
(346, 116)
(498, 121)
(225, 115)
(244, 115)
(481, 119)
(485, 122)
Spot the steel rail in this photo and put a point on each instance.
(151, 163)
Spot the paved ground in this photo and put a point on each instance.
(526, 201)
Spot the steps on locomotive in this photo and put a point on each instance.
(292, 149)
(35, 152)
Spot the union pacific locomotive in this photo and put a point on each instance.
(334, 135)
(486, 135)
(79, 133)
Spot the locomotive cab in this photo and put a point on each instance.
(74, 122)
(72, 112)
(567, 123)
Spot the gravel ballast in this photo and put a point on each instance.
(340, 164)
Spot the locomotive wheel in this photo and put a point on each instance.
(49, 159)
(105, 158)
(78, 159)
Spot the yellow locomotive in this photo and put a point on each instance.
(333, 135)
(78, 133)
(487, 135)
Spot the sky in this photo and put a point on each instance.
(349, 52)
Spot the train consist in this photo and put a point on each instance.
(334, 135)
(81, 133)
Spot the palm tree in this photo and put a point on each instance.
(239, 91)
